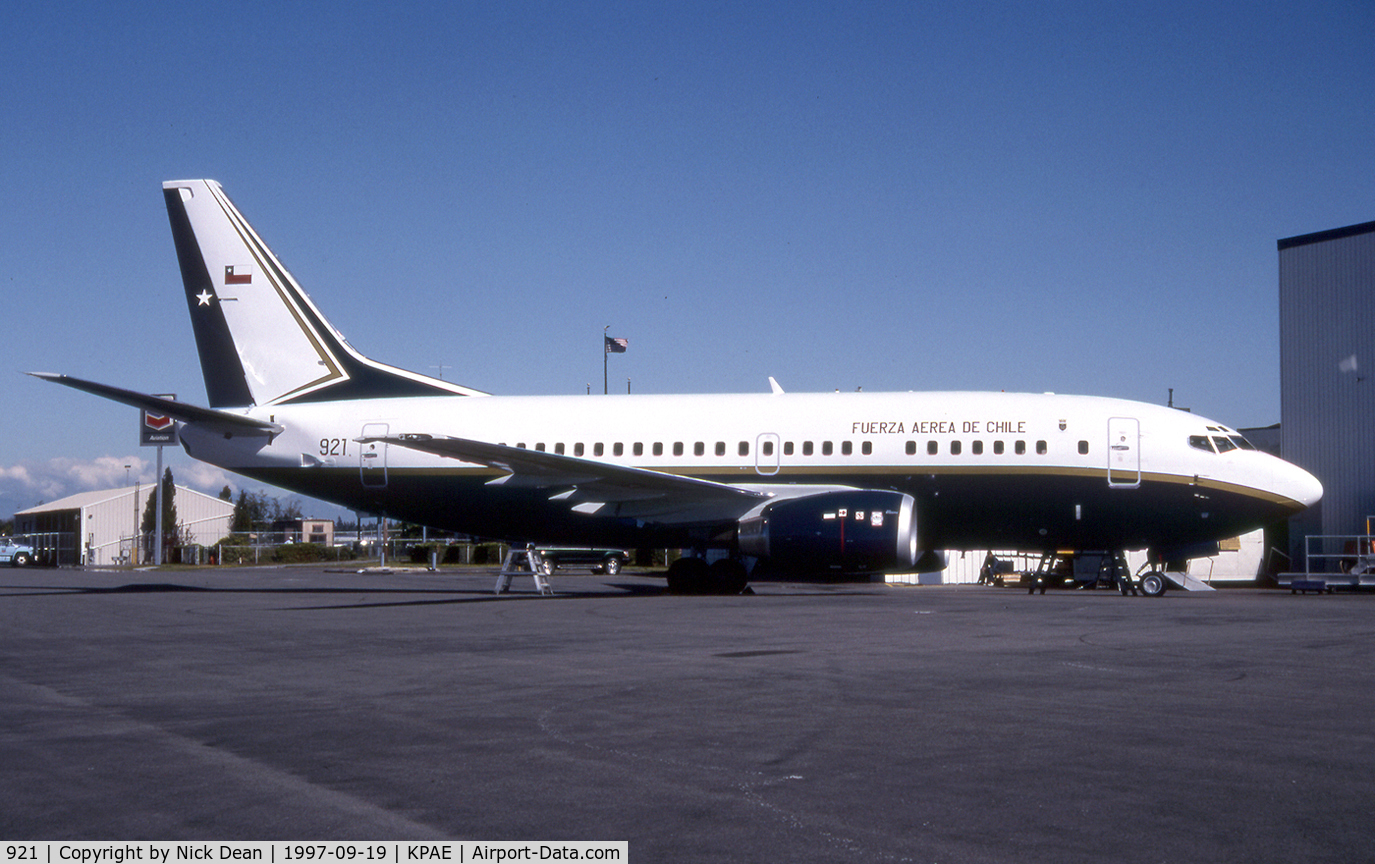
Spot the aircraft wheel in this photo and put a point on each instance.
(1153, 584)
(612, 566)
(728, 576)
(688, 576)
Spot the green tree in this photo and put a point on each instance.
(170, 529)
(258, 510)
(249, 510)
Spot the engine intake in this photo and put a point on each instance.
(861, 531)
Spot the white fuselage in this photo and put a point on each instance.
(1041, 459)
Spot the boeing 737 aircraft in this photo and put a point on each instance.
(851, 482)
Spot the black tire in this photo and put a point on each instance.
(1153, 584)
(688, 576)
(20, 559)
(612, 566)
(728, 576)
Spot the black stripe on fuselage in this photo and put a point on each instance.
(1056, 509)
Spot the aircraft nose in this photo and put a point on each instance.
(1298, 485)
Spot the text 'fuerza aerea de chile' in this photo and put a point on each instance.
(938, 427)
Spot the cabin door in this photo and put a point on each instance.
(1124, 452)
(766, 456)
(372, 456)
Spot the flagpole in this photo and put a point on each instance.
(604, 353)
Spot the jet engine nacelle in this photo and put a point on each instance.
(860, 531)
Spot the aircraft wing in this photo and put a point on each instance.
(594, 487)
(209, 418)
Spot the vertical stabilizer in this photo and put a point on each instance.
(261, 339)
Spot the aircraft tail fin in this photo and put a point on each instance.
(260, 337)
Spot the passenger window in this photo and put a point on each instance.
(1020, 448)
(521, 445)
(540, 447)
(806, 448)
(932, 448)
(577, 449)
(911, 448)
(658, 448)
(677, 448)
(558, 448)
(1200, 442)
(720, 448)
(699, 449)
(598, 449)
(1083, 448)
(977, 448)
(744, 448)
(639, 448)
(997, 448)
(768, 448)
(955, 448)
(787, 448)
(846, 448)
(867, 448)
(618, 449)
(1041, 448)
(825, 448)
(1223, 444)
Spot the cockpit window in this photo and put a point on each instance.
(1223, 443)
(1242, 442)
(1201, 442)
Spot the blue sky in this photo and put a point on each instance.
(894, 196)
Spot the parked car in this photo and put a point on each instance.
(17, 554)
(608, 561)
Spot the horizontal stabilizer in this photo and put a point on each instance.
(207, 418)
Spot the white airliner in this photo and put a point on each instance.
(849, 482)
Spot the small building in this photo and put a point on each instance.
(99, 528)
(318, 531)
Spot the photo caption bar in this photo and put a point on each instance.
(289, 852)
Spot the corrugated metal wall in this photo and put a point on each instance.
(1327, 374)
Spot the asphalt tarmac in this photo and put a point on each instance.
(803, 723)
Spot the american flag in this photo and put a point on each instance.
(616, 346)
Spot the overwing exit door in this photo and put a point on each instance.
(1124, 452)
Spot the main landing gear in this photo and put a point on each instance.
(696, 576)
